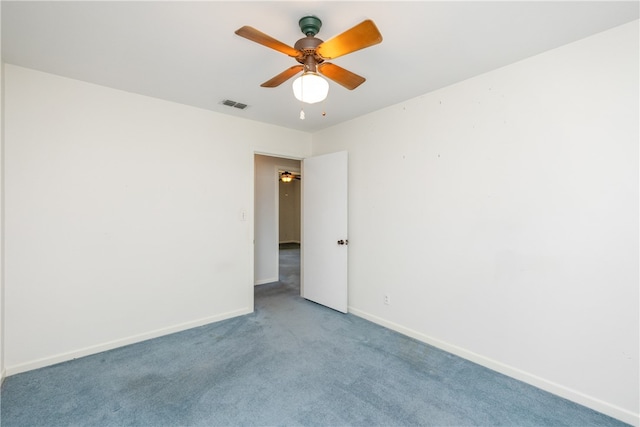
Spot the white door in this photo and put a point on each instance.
(324, 230)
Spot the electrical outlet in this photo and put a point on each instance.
(387, 301)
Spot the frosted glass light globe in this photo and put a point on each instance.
(310, 88)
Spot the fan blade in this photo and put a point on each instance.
(340, 75)
(266, 40)
(363, 35)
(283, 76)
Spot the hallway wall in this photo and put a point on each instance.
(289, 211)
(2, 369)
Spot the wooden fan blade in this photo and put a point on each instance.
(283, 76)
(340, 75)
(363, 35)
(266, 40)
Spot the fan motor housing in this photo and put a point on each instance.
(307, 44)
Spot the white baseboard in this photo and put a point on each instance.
(264, 281)
(99, 348)
(3, 374)
(541, 383)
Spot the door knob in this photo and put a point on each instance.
(343, 242)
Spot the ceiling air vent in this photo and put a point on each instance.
(230, 103)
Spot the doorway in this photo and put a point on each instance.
(324, 254)
(277, 214)
(289, 202)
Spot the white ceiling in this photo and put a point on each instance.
(187, 52)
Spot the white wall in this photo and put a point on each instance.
(266, 216)
(2, 370)
(123, 216)
(501, 216)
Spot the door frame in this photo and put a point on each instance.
(252, 209)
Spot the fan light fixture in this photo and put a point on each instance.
(310, 88)
(286, 176)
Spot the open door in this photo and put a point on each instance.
(324, 230)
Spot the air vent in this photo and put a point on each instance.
(230, 103)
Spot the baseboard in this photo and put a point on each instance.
(264, 281)
(541, 383)
(3, 374)
(289, 241)
(99, 348)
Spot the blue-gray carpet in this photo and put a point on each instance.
(292, 362)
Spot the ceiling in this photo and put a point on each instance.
(187, 52)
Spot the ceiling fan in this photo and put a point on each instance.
(286, 176)
(312, 54)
